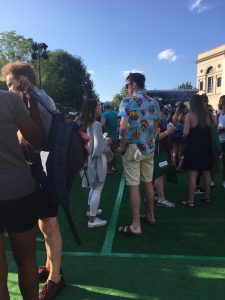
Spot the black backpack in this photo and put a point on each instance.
(66, 158)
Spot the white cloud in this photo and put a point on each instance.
(198, 6)
(126, 73)
(168, 55)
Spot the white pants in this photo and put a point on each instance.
(94, 198)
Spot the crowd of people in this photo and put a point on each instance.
(192, 136)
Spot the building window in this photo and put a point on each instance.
(201, 85)
(219, 81)
(210, 85)
(210, 70)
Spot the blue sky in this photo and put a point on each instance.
(160, 38)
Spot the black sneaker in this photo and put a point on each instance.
(51, 289)
(42, 274)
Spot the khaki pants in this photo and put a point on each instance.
(137, 171)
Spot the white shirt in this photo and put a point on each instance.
(221, 123)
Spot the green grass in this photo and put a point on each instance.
(101, 278)
(180, 230)
(182, 257)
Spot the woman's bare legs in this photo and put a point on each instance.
(159, 185)
(192, 185)
(174, 153)
(4, 293)
(207, 181)
(24, 251)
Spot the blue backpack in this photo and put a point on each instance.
(66, 158)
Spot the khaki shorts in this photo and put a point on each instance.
(137, 171)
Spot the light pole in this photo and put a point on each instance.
(39, 52)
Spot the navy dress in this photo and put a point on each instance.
(198, 154)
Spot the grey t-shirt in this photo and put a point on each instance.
(15, 176)
(45, 115)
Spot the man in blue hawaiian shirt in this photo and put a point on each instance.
(139, 117)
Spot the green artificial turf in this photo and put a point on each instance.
(180, 230)
(182, 257)
(110, 278)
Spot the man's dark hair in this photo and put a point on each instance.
(138, 78)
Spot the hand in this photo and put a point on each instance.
(122, 149)
(21, 87)
(105, 135)
(24, 85)
(170, 130)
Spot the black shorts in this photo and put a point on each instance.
(19, 215)
(223, 147)
(47, 207)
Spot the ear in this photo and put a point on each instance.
(134, 85)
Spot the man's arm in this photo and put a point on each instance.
(31, 133)
(21, 90)
(123, 135)
(35, 115)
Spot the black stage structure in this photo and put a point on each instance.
(172, 96)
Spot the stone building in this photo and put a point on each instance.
(211, 74)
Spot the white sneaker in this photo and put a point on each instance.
(223, 184)
(212, 184)
(97, 223)
(165, 203)
(99, 211)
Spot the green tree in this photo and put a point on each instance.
(66, 79)
(14, 47)
(118, 98)
(63, 75)
(185, 86)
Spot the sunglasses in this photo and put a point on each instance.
(126, 85)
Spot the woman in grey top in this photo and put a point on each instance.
(18, 210)
(97, 161)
